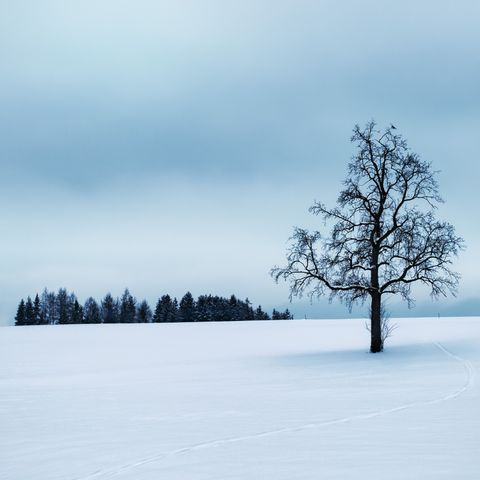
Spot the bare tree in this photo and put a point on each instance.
(384, 235)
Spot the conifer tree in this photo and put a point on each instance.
(157, 314)
(260, 314)
(286, 315)
(234, 307)
(223, 309)
(173, 314)
(203, 308)
(249, 313)
(165, 310)
(144, 313)
(76, 314)
(29, 313)
(187, 311)
(20, 317)
(37, 311)
(63, 307)
(91, 311)
(109, 311)
(127, 307)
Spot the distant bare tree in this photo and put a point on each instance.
(384, 234)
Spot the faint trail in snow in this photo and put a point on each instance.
(468, 368)
(113, 472)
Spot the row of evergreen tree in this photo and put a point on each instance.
(63, 308)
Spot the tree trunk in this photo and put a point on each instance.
(376, 344)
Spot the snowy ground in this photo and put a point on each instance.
(253, 400)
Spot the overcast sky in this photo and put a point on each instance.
(171, 146)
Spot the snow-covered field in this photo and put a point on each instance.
(252, 400)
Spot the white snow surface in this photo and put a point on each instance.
(286, 400)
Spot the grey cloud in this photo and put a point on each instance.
(225, 94)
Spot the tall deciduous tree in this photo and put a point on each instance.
(384, 235)
(48, 305)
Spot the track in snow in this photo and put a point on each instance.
(112, 472)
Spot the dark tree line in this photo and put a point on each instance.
(63, 308)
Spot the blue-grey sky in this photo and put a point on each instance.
(171, 145)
